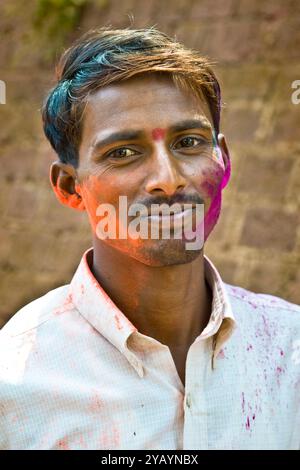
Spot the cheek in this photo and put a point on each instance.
(104, 190)
(96, 191)
(90, 195)
(212, 180)
(100, 190)
(212, 214)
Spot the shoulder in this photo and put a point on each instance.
(267, 319)
(256, 301)
(35, 313)
(22, 342)
(250, 306)
(29, 329)
(31, 338)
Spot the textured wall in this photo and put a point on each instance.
(257, 48)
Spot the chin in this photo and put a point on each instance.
(164, 253)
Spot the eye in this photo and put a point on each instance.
(122, 153)
(188, 142)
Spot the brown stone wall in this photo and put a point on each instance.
(256, 44)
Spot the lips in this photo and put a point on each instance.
(170, 211)
(178, 220)
(173, 216)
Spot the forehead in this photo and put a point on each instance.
(146, 102)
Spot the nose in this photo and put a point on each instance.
(165, 176)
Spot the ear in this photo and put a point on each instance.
(226, 159)
(63, 181)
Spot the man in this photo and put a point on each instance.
(146, 348)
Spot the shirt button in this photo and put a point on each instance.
(188, 400)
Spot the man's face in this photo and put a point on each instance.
(149, 141)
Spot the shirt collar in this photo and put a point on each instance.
(222, 321)
(101, 312)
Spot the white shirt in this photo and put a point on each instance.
(76, 374)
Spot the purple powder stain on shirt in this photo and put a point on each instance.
(248, 423)
(265, 374)
(266, 326)
(221, 354)
(243, 402)
(279, 371)
(249, 347)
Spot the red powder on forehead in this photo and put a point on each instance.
(158, 133)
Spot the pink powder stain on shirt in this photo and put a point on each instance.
(110, 439)
(119, 326)
(20, 419)
(67, 305)
(14, 419)
(68, 300)
(221, 354)
(82, 288)
(279, 371)
(116, 436)
(247, 425)
(96, 403)
(63, 444)
(82, 442)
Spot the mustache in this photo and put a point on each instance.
(176, 198)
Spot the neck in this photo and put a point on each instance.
(171, 304)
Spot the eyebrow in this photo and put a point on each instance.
(116, 137)
(137, 134)
(191, 124)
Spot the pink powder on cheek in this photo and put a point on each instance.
(208, 188)
(158, 133)
(213, 214)
(211, 217)
(215, 193)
